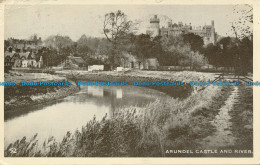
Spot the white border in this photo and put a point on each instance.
(34, 161)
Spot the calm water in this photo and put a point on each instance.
(73, 112)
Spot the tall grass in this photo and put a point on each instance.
(149, 131)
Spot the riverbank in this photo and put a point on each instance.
(18, 96)
(148, 76)
(149, 131)
(188, 124)
(136, 75)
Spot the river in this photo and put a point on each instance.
(73, 112)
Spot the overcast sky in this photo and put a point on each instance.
(75, 20)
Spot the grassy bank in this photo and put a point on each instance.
(19, 96)
(134, 75)
(242, 121)
(172, 124)
(148, 131)
(148, 76)
(242, 118)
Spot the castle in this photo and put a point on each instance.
(207, 32)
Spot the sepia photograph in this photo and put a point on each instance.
(128, 80)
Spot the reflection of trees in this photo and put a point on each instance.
(135, 96)
(104, 96)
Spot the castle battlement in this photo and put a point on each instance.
(207, 32)
(155, 19)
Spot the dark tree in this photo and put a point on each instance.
(195, 41)
(143, 46)
(6, 45)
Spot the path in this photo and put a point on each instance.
(223, 135)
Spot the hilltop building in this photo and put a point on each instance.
(207, 32)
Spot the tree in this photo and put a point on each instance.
(59, 47)
(82, 45)
(243, 26)
(227, 51)
(243, 31)
(6, 44)
(142, 46)
(115, 26)
(156, 49)
(58, 42)
(195, 41)
(245, 51)
(49, 56)
(182, 50)
(103, 47)
(210, 52)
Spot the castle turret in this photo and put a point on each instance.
(212, 35)
(155, 26)
(170, 24)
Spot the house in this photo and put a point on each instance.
(17, 60)
(28, 60)
(131, 61)
(22, 59)
(21, 53)
(8, 58)
(74, 62)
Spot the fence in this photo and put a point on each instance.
(208, 68)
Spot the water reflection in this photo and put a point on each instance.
(74, 111)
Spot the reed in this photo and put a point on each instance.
(132, 132)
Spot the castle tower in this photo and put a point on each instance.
(212, 35)
(170, 24)
(155, 26)
(40, 63)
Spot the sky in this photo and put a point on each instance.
(22, 21)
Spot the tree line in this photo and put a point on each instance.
(182, 50)
(120, 43)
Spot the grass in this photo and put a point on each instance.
(148, 76)
(142, 132)
(185, 76)
(149, 131)
(242, 117)
(20, 96)
(242, 123)
(18, 77)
